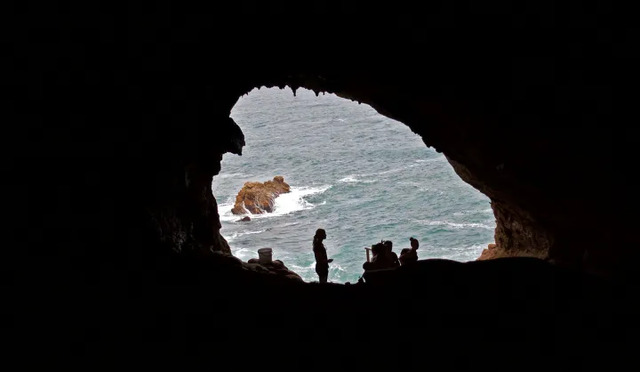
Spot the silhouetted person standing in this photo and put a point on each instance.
(320, 253)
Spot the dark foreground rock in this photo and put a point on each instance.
(275, 267)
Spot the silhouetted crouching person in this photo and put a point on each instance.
(320, 253)
(382, 264)
(383, 257)
(410, 255)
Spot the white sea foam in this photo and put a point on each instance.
(455, 225)
(237, 234)
(245, 254)
(463, 254)
(295, 267)
(389, 171)
(294, 200)
(225, 212)
(473, 211)
(354, 179)
(394, 170)
(349, 179)
(336, 270)
(229, 175)
(472, 248)
(307, 273)
(439, 158)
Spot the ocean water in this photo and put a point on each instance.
(359, 175)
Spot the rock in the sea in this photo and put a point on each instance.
(244, 219)
(258, 197)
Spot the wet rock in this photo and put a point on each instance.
(257, 197)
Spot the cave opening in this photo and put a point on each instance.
(361, 176)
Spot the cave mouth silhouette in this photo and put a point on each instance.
(359, 174)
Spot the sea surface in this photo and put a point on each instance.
(359, 175)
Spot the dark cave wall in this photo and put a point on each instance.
(144, 134)
(118, 120)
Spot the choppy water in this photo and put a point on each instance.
(357, 174)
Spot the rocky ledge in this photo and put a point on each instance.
(275, 267)
(494, 251)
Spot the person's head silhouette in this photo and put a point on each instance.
(320, 234)
(388, 245)
(414, 242)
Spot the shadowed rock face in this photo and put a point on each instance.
(259, 197)
(118, 122)
(276, 267)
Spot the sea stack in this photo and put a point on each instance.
(259, 197)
